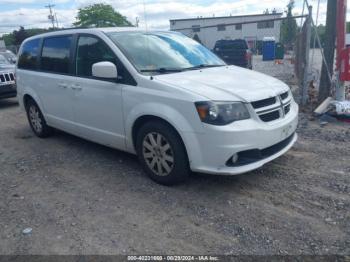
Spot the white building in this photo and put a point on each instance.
(249, 27)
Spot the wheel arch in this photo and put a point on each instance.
(141, 120)
(32, 96)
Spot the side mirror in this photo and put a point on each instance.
(104, 70)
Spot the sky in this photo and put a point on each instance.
(33, 14)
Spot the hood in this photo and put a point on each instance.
(229, 83)
(6, 67)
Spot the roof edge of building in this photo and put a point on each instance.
(220, 17)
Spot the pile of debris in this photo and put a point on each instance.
(331, 111)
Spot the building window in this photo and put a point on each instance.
(239, 27)
(222, 27)
(196, 28)
(266, 24)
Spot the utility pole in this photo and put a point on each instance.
(304, 90)
(56, 20)
(341, 32)
(51, 15)
(329, 47)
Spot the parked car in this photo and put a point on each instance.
(156, 94)
(11, 57)
(7, 79)
(234, 52)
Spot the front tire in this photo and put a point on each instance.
(37, 121)
(162, 153)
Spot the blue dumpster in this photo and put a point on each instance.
(269, 48)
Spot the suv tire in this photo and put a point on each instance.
(162, 153)
(37, 121)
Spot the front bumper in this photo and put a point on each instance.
(8, 91)
(211, 151)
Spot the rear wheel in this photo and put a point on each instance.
(37, 121)
(162, 153)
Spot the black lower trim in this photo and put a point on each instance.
(255, 155)
(8, 94)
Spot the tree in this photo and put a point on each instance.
(348, 27)
(19, 36)
(100, 15)
(289, 27)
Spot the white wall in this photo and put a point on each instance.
(210, 35)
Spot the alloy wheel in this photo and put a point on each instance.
(35, 119)
(158, 154)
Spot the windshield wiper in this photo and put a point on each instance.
(162, 70)
(202, 66)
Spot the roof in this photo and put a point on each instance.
(88, 30)
(221, 17)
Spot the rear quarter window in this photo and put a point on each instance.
(29, 54)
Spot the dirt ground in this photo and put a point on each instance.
(83, 198)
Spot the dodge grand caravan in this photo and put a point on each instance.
(156, 94)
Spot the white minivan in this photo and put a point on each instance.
(157, 94)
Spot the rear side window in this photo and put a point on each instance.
(55, 56)
(29, 55)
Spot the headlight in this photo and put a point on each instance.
(221, 113)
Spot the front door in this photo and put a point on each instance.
(98, 104)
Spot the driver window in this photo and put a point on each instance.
(91, 50)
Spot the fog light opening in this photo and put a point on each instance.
(234, 158)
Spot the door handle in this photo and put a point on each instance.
(76, 87)
(62, 85)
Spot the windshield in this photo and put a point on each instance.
(164, 52)
(3, 60)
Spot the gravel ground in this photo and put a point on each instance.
(83, 198)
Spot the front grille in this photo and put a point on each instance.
(287, 109)
(264, 103)
(273, 108)
(274, 115)
(7, 78)
(284, 96)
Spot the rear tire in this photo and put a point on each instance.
(37, 121)
(162, 153)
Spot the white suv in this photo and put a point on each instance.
(156, 94)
